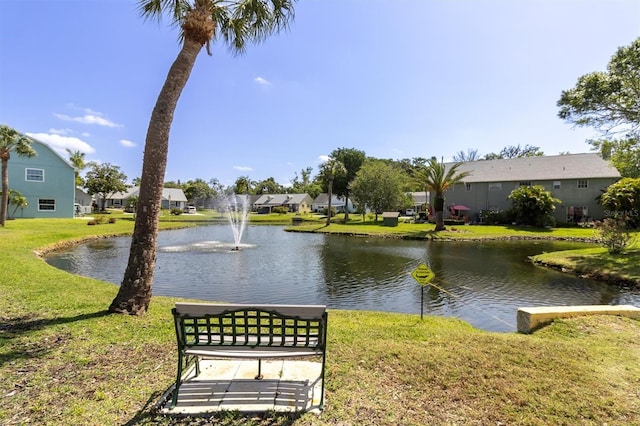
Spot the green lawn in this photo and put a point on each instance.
(65, 360)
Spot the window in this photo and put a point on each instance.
(34, 175)
(556, 184)
(467, 186)
(495, 187)
(577, 214)
(46, 204)
(525, 183)
(583, 183)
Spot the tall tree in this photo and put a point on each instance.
(624, 154)
(199, 193)
(237, 22)
(607, 101)
(11, 140)
(438, 177)
(329, 170)
(243, 185)
(463, 157)
(268, 186)
(105, 179)
(352, 159)
(378, 187)
(77, 160)
(515, 151)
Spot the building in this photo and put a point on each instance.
(321, 202)
(47, 181)
(171, 198)
(575, 179)
(295, 203)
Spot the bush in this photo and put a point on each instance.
(612, 234)
(176, 211)
(280, 210)
(112, 220)
(532, 205)
(92, 222)
(490, 217)
(622, 201)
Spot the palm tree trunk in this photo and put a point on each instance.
(136, 288)
(5, 189)
(439, 209)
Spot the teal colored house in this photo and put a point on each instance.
(46, 180)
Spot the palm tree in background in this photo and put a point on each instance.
(236, 22)
(77, 160)
(438, 178)
(11, 139)
(329, 170)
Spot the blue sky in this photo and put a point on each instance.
(394, 78)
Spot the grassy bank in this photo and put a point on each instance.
(64, 360)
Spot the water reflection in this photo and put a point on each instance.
(482, 283)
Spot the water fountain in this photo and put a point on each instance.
(237, 212)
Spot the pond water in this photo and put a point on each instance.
(482, 283)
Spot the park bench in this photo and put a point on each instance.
(210, 331)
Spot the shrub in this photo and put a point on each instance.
(612, 234)
(112, 220)
(532, 205)
(92, 222)
(622, 201)
(280, 210)
(176, 211)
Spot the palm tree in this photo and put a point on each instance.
(10, 139)
(237, 22)
(77, 160)
(329, 170)
(438, 178)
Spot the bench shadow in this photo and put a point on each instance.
(11, 328)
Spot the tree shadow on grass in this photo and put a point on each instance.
(12, 328)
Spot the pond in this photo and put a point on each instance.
(482, 283)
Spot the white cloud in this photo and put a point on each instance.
(262, 81)
(88, 119)
(61, 143)
(127, 143)
(323, 158)
(60, 131)
(243, 168)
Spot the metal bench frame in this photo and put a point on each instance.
(206, 330)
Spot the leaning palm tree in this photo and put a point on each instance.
(437, 177)
(79, 164)
(11, 140)
(329, 170)
(236, 22)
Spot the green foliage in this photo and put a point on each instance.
(612, 235)
(176, 211)
(621, 200)
(490, 217)
(437, 177)
(199, 193)
(624, 154)
(280, 210)
(532, 205)
(377, 186)
(17, 200)
(607, 101)
(11, 140)
(515, 151)
(104, 179)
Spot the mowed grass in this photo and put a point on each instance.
(65, 360)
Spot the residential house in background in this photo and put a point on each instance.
(171, 198)
(321, 202)
(295, 203)
(576, 179)
(47, 181)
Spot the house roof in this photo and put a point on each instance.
(280, 199)
(323, 199)
(555, 167)
(175, 193)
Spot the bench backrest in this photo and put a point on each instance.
(295, 326)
